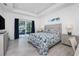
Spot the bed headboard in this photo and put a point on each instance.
(57, 27)
(54, 26)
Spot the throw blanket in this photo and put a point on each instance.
(43, 41)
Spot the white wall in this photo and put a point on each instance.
(68, 15)
(1, 11)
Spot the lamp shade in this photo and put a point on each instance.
(69, 28)
(42, 27)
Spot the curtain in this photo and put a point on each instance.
(33, 27)
(16, 33)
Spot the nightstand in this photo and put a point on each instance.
(66, 39)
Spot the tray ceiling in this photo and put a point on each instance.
(33, 7)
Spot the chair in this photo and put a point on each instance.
(73, 43)
(77, 51)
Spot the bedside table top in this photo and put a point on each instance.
(65, 36)
(68, 35)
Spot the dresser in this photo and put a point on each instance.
(4, 40)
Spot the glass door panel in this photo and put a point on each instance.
(28, 26)
(21, 27)
(25, 27)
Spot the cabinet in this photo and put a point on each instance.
(3, 43)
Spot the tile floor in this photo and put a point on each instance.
(21, 47)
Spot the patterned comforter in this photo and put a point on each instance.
(43, 41)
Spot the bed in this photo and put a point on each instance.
(44, 40)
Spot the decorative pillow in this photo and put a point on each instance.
(51, 31)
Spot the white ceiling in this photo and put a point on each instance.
(33, 7)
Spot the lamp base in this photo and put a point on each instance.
(69, 33)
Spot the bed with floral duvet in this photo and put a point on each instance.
(44, 40)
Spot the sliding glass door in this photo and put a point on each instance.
(25, 27)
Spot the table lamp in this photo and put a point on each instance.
(69, 29)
